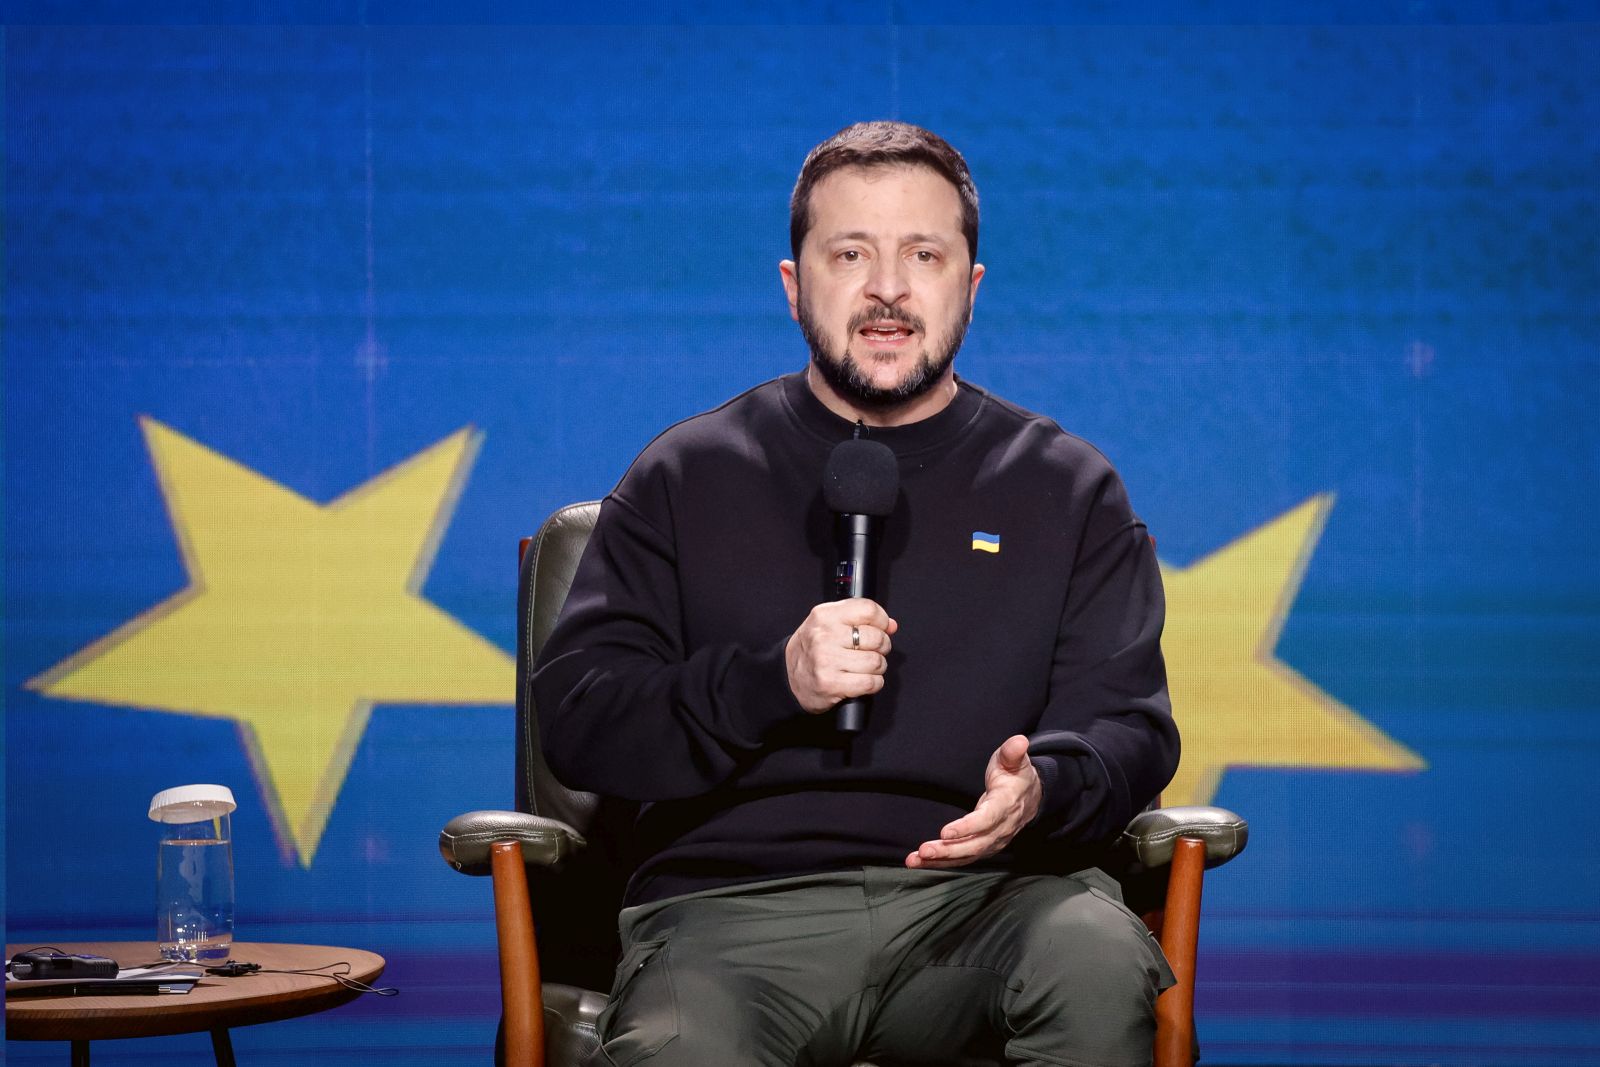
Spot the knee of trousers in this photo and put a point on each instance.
(1087, 945)
(1085, 987)
(678, 1012)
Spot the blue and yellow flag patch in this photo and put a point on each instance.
(985, 542)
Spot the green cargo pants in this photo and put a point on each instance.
(896, 966)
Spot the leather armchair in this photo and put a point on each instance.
(560, 862)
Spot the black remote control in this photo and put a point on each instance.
(30, 966)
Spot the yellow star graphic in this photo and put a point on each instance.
(298, 618)
(1235, 702)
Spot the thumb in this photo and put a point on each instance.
(1013, 754)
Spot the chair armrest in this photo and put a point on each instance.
(1152, 834)
(465, 840)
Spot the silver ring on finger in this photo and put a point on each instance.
(855, 637)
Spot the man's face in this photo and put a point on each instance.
(884, 287)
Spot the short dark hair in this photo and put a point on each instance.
(883, 144)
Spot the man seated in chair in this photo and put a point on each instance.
(923, 892)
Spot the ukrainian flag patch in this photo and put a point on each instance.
(985, 542)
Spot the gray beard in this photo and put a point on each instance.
(846, 377)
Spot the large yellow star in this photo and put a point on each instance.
(1236, 703)
(298, 618)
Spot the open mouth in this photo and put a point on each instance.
(885, 332)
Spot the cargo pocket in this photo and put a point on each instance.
(642, 1014)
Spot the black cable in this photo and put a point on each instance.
(235, 969)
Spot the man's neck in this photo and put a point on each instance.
(925, 406)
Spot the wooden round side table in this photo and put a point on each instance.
(215, 1004)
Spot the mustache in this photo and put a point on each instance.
(879, 313)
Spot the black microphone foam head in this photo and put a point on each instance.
(862, 478)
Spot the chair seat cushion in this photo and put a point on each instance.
(570, 1015)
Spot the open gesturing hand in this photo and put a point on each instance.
(1010, 801)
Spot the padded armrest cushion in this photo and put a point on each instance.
(1152, 834)
(465, 840)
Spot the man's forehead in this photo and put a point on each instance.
(922, 198)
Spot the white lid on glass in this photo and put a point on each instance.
(191, 803)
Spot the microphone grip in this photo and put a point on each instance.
(855, 536)
(850, 717)
(853, 577)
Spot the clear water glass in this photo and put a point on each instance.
(194, 873)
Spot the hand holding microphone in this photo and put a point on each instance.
(839, 654)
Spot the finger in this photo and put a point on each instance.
(859, 611)
(980, 820)
(945, 854)
(869, 663)
(1012, 755)
(843, 685)
(849, 661)
(866, 638)
(832, 689)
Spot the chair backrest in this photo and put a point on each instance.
(575, 908)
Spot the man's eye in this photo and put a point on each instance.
(925, 256)
(849, 255)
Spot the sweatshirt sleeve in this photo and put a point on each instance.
(1106, 743)
(623, 710)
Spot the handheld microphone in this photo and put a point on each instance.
(860, 485)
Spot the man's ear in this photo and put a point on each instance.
(791, 286)
(972, 292)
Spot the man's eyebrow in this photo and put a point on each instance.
(910, 238)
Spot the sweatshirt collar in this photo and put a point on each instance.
(903, 440)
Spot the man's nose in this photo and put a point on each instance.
(887, 283)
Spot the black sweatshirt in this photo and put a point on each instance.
(664, 680)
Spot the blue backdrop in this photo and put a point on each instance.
(307, 320)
